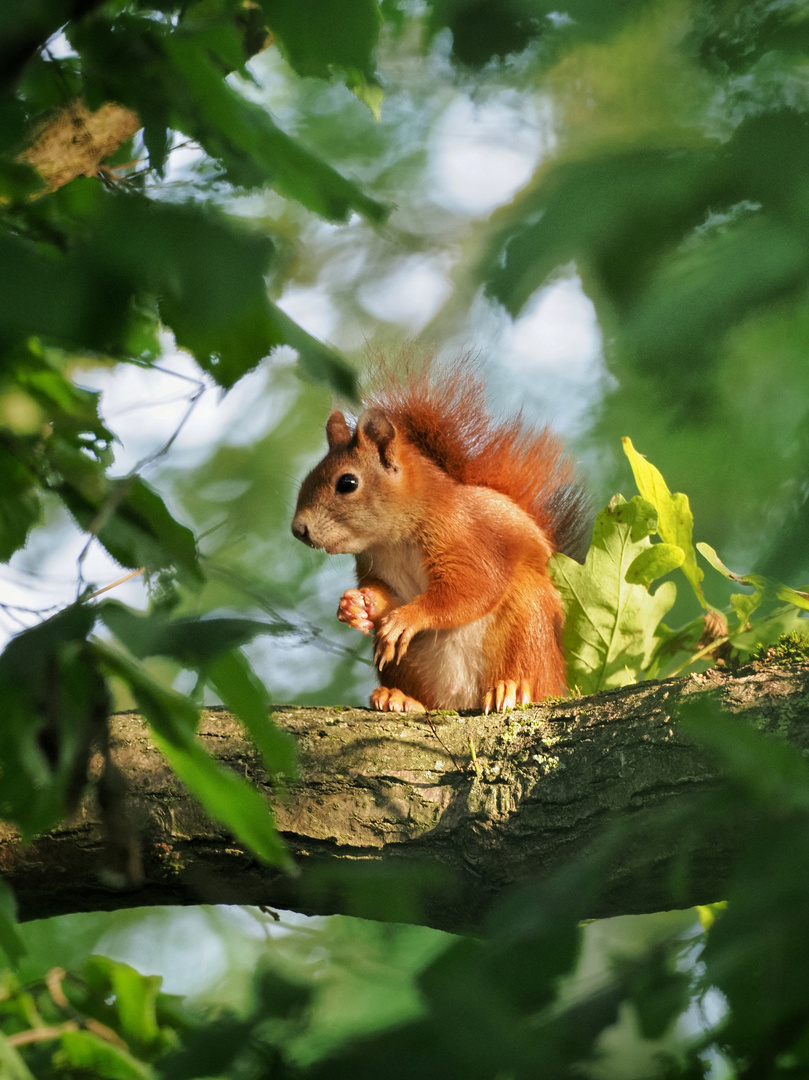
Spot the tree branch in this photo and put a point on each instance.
(381, 791)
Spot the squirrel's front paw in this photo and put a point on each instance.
(393, 636)
(355, 609)
(505, 694)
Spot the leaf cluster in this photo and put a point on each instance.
(103, 1020)
(614, 633)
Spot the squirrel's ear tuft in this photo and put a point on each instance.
(338, 433)
(377, 429)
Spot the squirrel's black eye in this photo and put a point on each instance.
(345, 483)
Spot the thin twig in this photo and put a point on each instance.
(43, 1034)
(110, 505)
(53, 981)
(150, 404)
(119, 492)
(147, 365)
(475, 762)
(442, 744)
(151, 458)
(306, 633)
(11, 608)
(115, 584)
(701, 654)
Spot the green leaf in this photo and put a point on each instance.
(744, 604)
(130, 1004)
(768, 630)
(653, 563)
(12, 1065)
(210, 645)
(212, 1049)
(225, 796)
(319, 36)
(372, 95)
(18, 181)
(708, 553)
(611, 623)
(70, 409)
(485, 29)
(765, 588)
(209, 276)
(256, 152)
(792, 596)
(700, 293)
(193, 641)
(27, 274)
(135, 1000)
(91, 1055)
(173, 78)
(20, 505)
(10, 941)
(318, 362)
(771, 772)
(50, 82)
(675, 522)
(614, 214)
(55, 704)
(659, 993)
(244, 694)
(132, 522)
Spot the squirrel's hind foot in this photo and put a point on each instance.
(507, 694)
(386, 699)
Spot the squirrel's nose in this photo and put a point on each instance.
(300, 530)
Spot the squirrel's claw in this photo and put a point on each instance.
(392, 640)
(506, 694)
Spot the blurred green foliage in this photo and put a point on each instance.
(91, 268)
(670, 177)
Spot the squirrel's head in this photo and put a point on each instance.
(349, 501)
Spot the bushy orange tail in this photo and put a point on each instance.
(443, 414)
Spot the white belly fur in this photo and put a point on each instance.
(451, 661)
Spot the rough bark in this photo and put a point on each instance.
(392, 792)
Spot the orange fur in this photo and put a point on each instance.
(447, 420)
(452, 519)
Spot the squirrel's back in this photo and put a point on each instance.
(443, 413)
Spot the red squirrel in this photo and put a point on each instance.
(452, 519)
